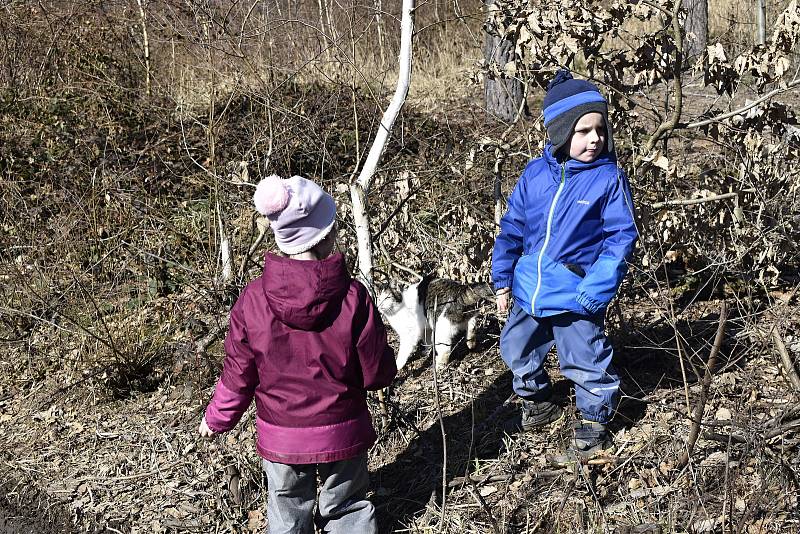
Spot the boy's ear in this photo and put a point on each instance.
(609, 147)
(563, 151)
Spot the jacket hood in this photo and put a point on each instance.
(573, 165)
(305, 295)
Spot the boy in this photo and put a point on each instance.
(561, 253)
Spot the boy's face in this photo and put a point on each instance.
(589, 138)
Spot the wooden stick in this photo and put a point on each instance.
(503, 477)
(145, 47)
(473, 490)
(263, 225)
(384, 410)
(691, 201)
(437, 401)
(788, 364)
(694, 433)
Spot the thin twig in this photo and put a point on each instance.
(669, 125)
(473, 490)
(701, 403)
(567, 493)
(262, 232)
(502, 477)
(442, 523)
(501, 154)
(783, 429)
(743, 109)
(692, 201)
(208, 339)
(148, 474)
(679, 346)
(788, 364)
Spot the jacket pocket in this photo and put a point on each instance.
(525, 280)
(574, 268)
(558, 288)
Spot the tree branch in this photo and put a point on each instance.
(360, 188)
(743, 109)
(669, 125)
(701, 403)
(691, 201)
(788, 364)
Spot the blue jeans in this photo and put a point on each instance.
(584, 354)
(343, 506)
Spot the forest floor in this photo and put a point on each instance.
(80, 462)
(79, 455)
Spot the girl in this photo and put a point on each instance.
(307, 342)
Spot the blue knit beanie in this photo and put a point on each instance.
(566, 101)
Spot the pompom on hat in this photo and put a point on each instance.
(300, 213)
(566, 101)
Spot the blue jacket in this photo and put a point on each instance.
(564, 241)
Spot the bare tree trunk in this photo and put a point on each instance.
(226, 263)
(696, 27)
(379, 27)
(326, 41)
(503, 95)
(360, 188)
(145, 46)
(761, 15)
(334, 35)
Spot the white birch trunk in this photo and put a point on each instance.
(379, 27)
(145, 46)
(360, 188)
(498, 190)
(226, 273)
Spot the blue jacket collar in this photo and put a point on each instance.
(573, 165)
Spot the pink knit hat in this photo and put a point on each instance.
(300, 212)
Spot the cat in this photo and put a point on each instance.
(434, 310)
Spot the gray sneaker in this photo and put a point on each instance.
(539, 413)
(590, 439)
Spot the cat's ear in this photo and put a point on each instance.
(384, 300)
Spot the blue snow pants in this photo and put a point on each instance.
(584, 355)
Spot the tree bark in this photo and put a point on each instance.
(761, 12)
(696, 27)
(360, 188)
(503, 94)
(145, 46)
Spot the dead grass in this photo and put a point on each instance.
(73, 451)
(138, 465)
(731, 23)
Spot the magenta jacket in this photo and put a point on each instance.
(307, 342)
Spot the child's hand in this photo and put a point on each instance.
(503, 296)
(205, 431)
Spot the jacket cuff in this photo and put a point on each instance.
(500, 283)
(591, 305)
(225, 409)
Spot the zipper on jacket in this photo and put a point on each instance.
(547, 237)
